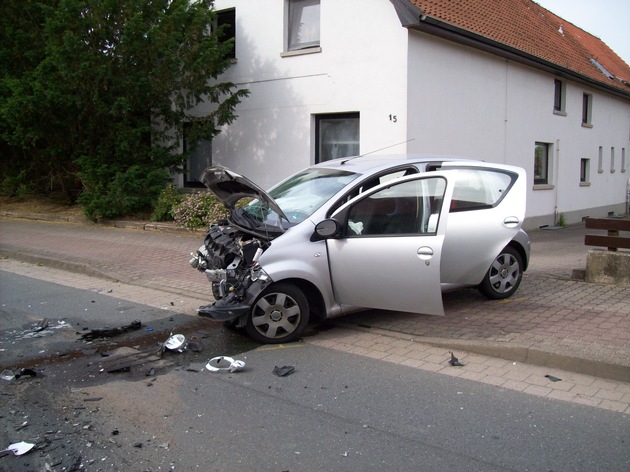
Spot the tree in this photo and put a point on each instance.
(95, 93)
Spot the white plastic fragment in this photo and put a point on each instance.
(224, 364)
(7, 375)
(19, 448)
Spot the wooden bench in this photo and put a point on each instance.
(612, 240)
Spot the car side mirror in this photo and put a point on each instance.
(328, 228)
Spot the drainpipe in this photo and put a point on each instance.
(628, 198)
(556, 178)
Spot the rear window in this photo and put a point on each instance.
(476, 189)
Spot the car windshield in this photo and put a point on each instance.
(299, 196)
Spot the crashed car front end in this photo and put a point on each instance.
(229, 258)
(232, 248)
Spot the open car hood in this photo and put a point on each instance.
(230, 187)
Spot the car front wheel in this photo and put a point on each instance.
(279, 315)
(504, 275)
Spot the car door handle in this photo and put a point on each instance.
(425, 253)
(511, 221)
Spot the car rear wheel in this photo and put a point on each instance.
(279, 315)
(504, 275)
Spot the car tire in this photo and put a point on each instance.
(504, 275)
(279, 315)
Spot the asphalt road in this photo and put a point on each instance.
(336, 411)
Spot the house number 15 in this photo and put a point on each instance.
(393, 118)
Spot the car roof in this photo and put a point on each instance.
(371, 163)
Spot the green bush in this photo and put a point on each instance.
(130, 192)
(166, 201)
(198, 210)
(14, 186)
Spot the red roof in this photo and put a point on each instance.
(527, 27)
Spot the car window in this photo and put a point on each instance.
(301, 195)
(371, 183)
(476, 189)
(403, 208)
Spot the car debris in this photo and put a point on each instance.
(108, 332)
(19, 448)
(23, 425)
(454, 361)
(26, 372)
(7, 375)
(553, 378)
(225, 364)
(41, 325)
(284, 370)
(174, 342)
(194, 344)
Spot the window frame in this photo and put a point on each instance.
(227, 19)
(585, 172)
(479, 198)
(587, 110)
(335, 116)
(189, 180)
(419, 220)
(559, 97)
(545, 179)
(292, 43)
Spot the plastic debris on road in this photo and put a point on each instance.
(176, 342)
(19, 448)
(224, 364)
(284, 370)
(454, 361)
(109, 332)
(7, 375)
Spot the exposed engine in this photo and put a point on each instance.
(226, 258)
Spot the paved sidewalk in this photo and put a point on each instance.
(552, 321)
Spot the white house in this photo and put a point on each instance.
(506, 82)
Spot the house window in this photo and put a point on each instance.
(559, 94)
(612, 160)
(337, 135)
(226, 22)
(600, 160)
(541, 163)
(585, 167)
(302, 24)
(199, 156)
(587, 105)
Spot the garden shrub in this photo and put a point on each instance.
(198, 210)
(166, 201)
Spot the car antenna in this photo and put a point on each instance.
(377, 150)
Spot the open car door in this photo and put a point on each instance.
(387, 254)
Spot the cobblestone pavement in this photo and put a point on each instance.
(555, 325)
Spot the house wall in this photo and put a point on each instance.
(471, 103)
(361, 68)
(406, 85)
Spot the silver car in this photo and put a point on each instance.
(370, 232)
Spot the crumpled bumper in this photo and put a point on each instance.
(235, 305)
(225, 312)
